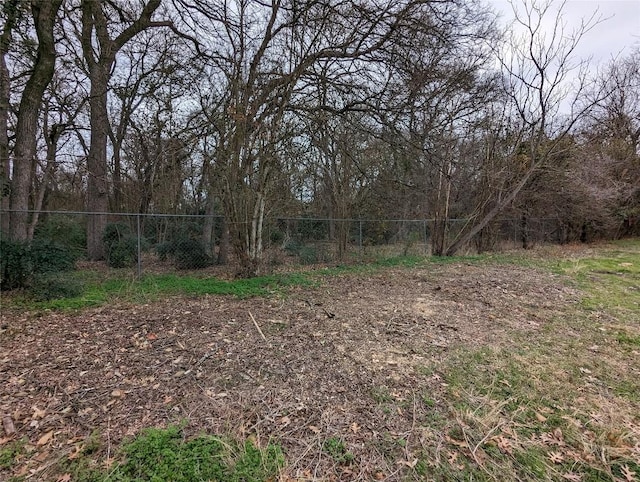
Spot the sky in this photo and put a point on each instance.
(616, 35)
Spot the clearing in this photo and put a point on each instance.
(522, 366)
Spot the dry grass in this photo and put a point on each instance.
(497, 368)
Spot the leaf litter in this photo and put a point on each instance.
(275, 368)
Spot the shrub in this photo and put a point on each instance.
(20, 261)
(312, 255)
(16, 265)
(164, 250)
(51, 257)
(66, 230)
(189, 253)
(123, 254)
(45, 287)
(183, 245)
(276, 236)
(293, 247)
(120, 245)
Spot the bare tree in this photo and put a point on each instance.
(10, 15)
(44, 13)
(262, 50)
(99, 51)
(541, 78)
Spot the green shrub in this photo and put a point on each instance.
(46, 287)
(16, 265)
(190, 254)
(293, 247)
(21, 261)
(51, 257)
(310, 255)
(121, 245)
(123, 254)
(165, 250)
(183, 245)
(276, 236)
(66, 230)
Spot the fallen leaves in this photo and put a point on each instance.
(553, 438)
(628, 474)
(117, 393)
(541, 418)
(37, 413)
(504, 444)
(556, 457)
(45, 439)
(572, 476)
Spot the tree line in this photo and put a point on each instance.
(254, 109)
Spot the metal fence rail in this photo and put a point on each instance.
(170, 242)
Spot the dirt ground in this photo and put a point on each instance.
(329, 359)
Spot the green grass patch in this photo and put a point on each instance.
(165, 454)
(153, 287)
(611, 280)
(100, 288)
(11, 453)
(528, 407)
(626, 339)
(337, 450)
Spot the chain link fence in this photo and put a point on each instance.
(166, 243)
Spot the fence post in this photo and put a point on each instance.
(360, 240)
(139, 236)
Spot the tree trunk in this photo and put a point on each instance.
(524, 235)
(441, 219)
(208, 230)
(95, 28)
(97, 184)
(491, 215)
(5, 170)
(44, 15)
(223, 253)
(49, 170)
(5, 105)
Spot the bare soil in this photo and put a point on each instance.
(330, 360)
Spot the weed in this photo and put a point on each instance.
(381, 395)
(338, 451)
(10, 453)
(428, 402)
(165, 454)
(626, 339)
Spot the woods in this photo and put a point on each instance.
(412, 109)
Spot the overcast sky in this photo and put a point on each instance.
(618, 33)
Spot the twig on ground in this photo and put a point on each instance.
(257, 327)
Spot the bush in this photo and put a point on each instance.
(120, 245)
(51, 257)
(45, 287)
(20, 261)
(293, 247)
(123, 254)
(311, 255)
(164, 250)
(16, 265)
(66, 230)
(190, 254)
(183, 245)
